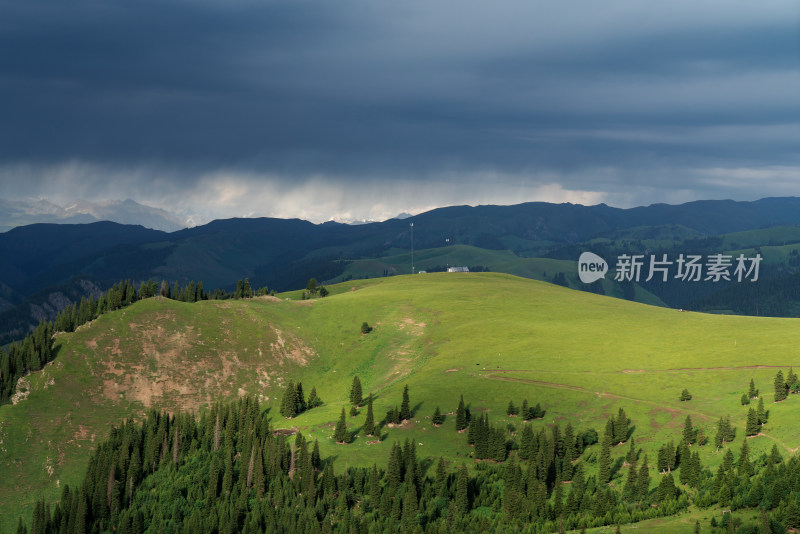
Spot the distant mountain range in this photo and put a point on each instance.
(45, 265)
(15, 213)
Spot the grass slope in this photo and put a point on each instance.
(500, 261)
(488, 336)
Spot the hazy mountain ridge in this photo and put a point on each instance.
(284, 253)
(14, 213)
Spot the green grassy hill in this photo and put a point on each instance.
(501, 261)
(491, 337)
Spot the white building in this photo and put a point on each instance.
(458, 269)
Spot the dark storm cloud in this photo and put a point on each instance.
(594, 97)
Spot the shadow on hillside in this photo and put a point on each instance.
(617, 467)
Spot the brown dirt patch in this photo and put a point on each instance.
(451, 370)
(416, 329)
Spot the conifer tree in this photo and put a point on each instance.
(355, 392)
(405, 406)
(630, 488)
(780, 387)
(570, 454)
(313, 399)
(761, 413)
(752, 427)
(643, 482)
(511, 410)
(688, 431)
(289, 401)
(316, 459)
(461, 415)
(247, 291)
(620, 427)
(791, 379)
(525, 411)
(394, 468)
(604, 470)
(299, 399)
(462, 497)
(340, 433)
(752, 392)
(369, 423)
(437, 418)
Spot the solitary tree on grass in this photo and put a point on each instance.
(340, 433)
(355, 392)
(405, 407)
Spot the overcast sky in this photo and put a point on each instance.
(365, 109)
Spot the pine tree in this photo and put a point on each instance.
(752, 393)
(685, 395)
(313, 399)
(369, 423)
(745, 400)
(753, 427)
(761, 413)
(780, 387)
(299, 399)
(620, 427)
(570, 453)
(355, 392)
(643, 482)
(289, 401)
(604, 470)
(247, 291)
(688, 430)
(666, 488)
(461, 415)
(340, 433)
(525, 411)
(462, 498)
(437, 418)
(405, 407)
(791, 379)
(511, 410)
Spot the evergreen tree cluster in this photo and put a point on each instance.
(528, 412)
(33, 353)
(229, 472)
(490, 441)
(294, 401)
(785, 386)
(314, 290)
(725, 432)
(398, 416)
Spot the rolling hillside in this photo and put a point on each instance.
(491, 337)
(50, 264)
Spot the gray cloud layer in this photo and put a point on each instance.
(364, 109)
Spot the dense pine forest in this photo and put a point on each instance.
(229, 471)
